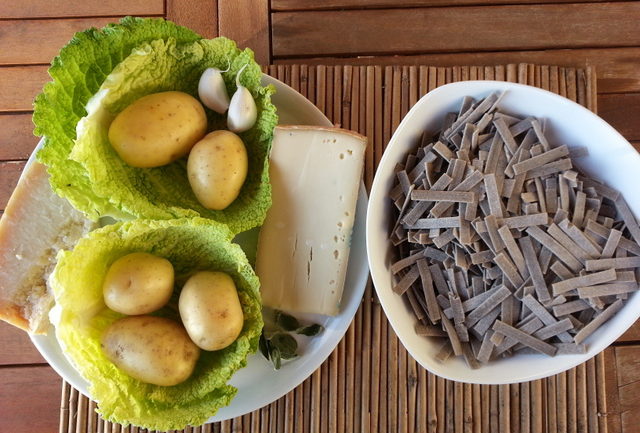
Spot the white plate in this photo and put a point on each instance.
(611, 159)
(258, 383)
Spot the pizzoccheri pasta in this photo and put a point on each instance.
(503, 245)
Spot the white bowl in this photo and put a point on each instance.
(611, 159)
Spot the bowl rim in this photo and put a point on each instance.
(381, 277)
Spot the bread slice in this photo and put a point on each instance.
(35, 225)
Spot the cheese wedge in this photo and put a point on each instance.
(303, 247)
(35, 225)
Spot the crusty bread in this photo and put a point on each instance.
(35, 225)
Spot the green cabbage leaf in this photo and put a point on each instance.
(190, 244)
(94, 80)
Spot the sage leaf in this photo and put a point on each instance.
(310, 330)
(286, 344)
(286, 321)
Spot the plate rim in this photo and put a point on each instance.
(49, 348)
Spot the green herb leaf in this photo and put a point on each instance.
(286, 344)
(310, 330)
(286, 321)
(264, 346)
(276, 359)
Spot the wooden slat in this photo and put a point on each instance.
(247, 23)
(199, 15)
(16, 136)
(633, 333)
(16, 347)
(9, 174)
(628, 374)
(616, 67)
(19, 85)
(33, 409)
(309, 5)
(22, 39)
(401, 31)
(76, 8)
(622, 112)
(628, 368)
(612, 401)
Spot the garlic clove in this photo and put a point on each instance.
(212, 90)
(242, 108)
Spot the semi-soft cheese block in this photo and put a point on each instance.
(303, 248)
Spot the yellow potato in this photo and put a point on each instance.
(152, 349)
(217, 168)
(210, 310)
(157, 129)
(138, 283)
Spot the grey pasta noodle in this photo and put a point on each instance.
(503, 245)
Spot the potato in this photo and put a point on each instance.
(157, 129)
(138, 283)
(152, 349)
(210, 310)
(217, 168)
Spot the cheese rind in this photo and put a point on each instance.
(303, 248)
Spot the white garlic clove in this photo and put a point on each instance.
(242, 108)
(212, 90)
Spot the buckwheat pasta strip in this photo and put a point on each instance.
(418, 312)
(528, 327)
(612, 244)
(590, 327)
(541, 312)
(485, 307)
(466, 185)
(406, 281)
(613, 263)
(524, 338)
(436, 223)
(540, 160)
(513, 250)
(485, 323)
(567, 243)
(606, 289)
(570, 307)
(555, 247)
(584, 281)
(578, 236)
(570, 348)
(603, 233)
(429, 331)
(550, 168)
(508, 268)
(448, 196)
(533, 266)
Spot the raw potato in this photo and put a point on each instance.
(210, 310)
(152, 349)
(138, 283)
(157, 129)
(217, 168)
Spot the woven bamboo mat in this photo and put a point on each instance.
(370, 383)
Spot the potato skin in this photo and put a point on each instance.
(210, 310)
(151, 349)
(157, 129)
(217, 169)
(138, 283)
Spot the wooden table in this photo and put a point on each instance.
(360, 32)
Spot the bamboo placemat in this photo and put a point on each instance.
(370, 383)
